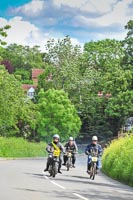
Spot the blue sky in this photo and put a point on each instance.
(33, 22)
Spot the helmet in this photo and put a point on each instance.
(94, 138)
(56, 136)
(71, 139)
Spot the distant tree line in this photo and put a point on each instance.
(94, 85)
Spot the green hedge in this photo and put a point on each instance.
(19, 148)
(117, 160)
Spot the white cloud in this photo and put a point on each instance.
(37, 7)
(110, 35)
(25, 33)
(32, 8)
(70, 3)
(82, 19)
(117, 16)
(92, 6)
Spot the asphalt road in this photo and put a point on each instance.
(25, 180)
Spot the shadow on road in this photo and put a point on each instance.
(51, 193)
(78, 179)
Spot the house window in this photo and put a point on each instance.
(31, 93)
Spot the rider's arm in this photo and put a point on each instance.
(49, 148)
(76, 148)
(100, 150)
(62, 148)
(87, 150)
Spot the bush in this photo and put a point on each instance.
(118, 160)
(18, 148)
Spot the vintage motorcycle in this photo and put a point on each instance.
(54, 163)
(93, 169)
(69, 159)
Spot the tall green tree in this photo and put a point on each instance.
(23, 59)
(13, 106)
(109, 111)
(128, 46)
(63, 63)
(56, 115)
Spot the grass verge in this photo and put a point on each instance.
(117, 160)
(20, 148)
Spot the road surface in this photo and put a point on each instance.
(25, 180)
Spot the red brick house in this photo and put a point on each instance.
(35, 74)
(30, 88)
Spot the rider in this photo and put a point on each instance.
(54, 145)
(71, 146)
(94, 146)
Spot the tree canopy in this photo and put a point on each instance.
(95, 82)
(56, 115)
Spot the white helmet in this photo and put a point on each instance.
(71, 139)
(94, 138)
(56, 136)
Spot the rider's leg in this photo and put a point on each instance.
(98, 163)
(47, 164)
(73, 159)
(89, 163)
(60, 162)
(65, 159)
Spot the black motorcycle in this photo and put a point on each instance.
(54, 163)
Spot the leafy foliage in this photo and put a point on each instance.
(56, 115)
(23, 59)
(128, 45)
(62, 62)
(104, 66)
(117, 160)
(8, 66)
(13, 107)
(3, 33)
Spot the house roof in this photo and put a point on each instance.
(31, 89)
(28, 86)
(36, 72)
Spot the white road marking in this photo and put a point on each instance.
(81, 197)
(46, 177)
(58, 185)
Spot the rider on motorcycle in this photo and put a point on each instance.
(51, 147)
(93, 147)
(70, 146)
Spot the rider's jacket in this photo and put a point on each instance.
(73, 147)
(50, 147)
(93, 148)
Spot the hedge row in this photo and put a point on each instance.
(117, 160)
(19, 148)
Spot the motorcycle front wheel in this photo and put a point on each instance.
(93, 171)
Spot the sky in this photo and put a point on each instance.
(33, 22)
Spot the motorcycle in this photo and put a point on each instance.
(69, 160)
(54, 163)
(93, 168)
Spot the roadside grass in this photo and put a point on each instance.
(117, 160)
(20, 148)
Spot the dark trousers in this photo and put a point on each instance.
(73, 158)
(49, 162)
